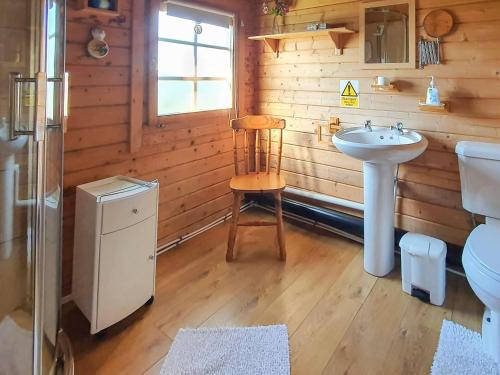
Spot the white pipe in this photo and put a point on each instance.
(163, 248)
(326, 198)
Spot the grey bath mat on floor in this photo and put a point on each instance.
(460, 352)
(228, 351)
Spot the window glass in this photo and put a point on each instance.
(213, 94)
(214, 63)
(194, 64)
(215, 35)
(175, 28)
(175, 60)
(175, 97)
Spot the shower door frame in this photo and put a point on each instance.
(36, 223)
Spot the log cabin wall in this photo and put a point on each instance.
(191, 156)
(302, 86)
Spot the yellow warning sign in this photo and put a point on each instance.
(349, 94)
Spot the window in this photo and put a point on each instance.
(195, 60)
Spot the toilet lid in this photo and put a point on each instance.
(484, 245)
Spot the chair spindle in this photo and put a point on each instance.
(257, 151)
(235, 152)
(268, 161)
(246, 151)
(280, 149)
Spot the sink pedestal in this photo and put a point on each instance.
(379, 218)
(381, 150)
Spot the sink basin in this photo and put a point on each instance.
(380, 145)
(381, 150)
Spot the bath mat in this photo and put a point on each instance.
(224, 351)
(460, 352)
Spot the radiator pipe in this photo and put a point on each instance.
(326, 199)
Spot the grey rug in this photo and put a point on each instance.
(460, 352)
(225, 351)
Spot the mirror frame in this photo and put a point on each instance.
(412, 31)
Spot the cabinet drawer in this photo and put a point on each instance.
(125, 212)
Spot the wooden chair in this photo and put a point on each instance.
(254, 180)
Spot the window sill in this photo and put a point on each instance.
(165, 120)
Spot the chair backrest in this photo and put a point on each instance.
(258, 125)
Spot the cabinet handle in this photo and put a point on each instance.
(135, 211)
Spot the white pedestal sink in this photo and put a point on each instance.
(381, 150)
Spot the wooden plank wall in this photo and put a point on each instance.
(302, 86)
(191, 157)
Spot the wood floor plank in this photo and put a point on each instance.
(128, 348)
(340, 319)
(366, 345)
(202, 298)
(306, 253)
(251, 301)
(413, 347)
(211, 295)
(467, 310)
(297, 301)
(155, 369)
(314, 342)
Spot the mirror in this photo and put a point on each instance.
(387, 30)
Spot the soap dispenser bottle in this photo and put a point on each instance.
(432, 94)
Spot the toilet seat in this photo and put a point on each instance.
(483, 245)
(481, 261)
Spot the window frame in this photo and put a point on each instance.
(157, 120)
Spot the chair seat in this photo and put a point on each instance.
(258, 182)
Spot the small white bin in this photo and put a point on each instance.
(423, 267)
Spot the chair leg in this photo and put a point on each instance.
(279, 226)
(234, 227)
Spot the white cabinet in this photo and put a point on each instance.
(114, 258)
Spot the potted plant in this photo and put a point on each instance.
(279, 8)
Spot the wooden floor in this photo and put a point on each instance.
(340, 319)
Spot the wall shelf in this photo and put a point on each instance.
(385, 88)
(443, 108)
(337, 35)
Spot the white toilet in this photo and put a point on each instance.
(480, 179)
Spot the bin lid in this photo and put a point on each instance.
(422, 245)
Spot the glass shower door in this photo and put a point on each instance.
(31, 88)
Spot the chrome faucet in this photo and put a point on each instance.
(399, 127)
(368, 125)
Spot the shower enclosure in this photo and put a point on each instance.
(32, 115)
